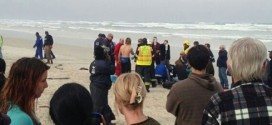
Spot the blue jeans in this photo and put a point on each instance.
(222, 71)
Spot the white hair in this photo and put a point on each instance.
(246, 57)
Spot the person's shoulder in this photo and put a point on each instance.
(18, 117)
(183, 84)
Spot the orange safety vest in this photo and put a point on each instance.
(144, 57)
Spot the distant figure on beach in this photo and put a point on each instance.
(116, 56)
(1, 45)
(130, 94)
(51, 41)
(186, 46)
(165, 53)
(140, 43)
(47, 45)
(72, 104)
(196, 43)
(156, 50)
(39, 46)
(270, 66)
(2, 73)
(249, 102)
(181, 67)
(98, 41)
(144, 60)
(26, 82)
(188, 98)
(124, 55)
(209, 68)
(222, 66)
(109, 45)
(100, 70)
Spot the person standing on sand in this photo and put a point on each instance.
(100, 71)
(99, 40)
(47, 46)
(124, 56)
(116, 56)
(186, 46)
(108, 44)
(156, 49)
(39, 45)
(209, 68)
(188, 98)
(49, 38)
(1, 45)
(222, 66)
(249, 101)
(144, 60)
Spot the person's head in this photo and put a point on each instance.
(2, 66)
(165, 42)
(26, 82)
(129, 91)
(198, 57)
(155, 40)
(207, 45)
(46, 33)
(140, 41)
(128, 41)
(246, 59)
(99, 53)
(121, 40)
(110, 36)
(71, 104)
(196, 43)
(186, 43)
(222, 47)
(37, 34)
(144, 41)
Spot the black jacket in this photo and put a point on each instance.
(100, 71)
(222, 58)
(48, 40)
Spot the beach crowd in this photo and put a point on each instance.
(195, 97)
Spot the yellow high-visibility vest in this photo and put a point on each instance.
(144, 57)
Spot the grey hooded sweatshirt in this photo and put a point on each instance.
(188, 98)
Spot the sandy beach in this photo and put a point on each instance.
(66, 68)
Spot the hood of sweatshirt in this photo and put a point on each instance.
(206, 81)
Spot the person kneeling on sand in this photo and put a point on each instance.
(72, 104)
(130, 94)
(188, 98)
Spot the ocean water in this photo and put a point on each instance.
(83, 33)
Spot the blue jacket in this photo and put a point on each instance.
(161, 70)
(39, 42)
(222, 58)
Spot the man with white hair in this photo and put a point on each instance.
(222, 66)
(249, 101)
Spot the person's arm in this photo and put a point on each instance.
(119, 54)
(131, 51)
(36, 43)
(172, 104)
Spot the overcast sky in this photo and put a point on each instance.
(177, 11)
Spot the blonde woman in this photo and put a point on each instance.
(129, 94)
